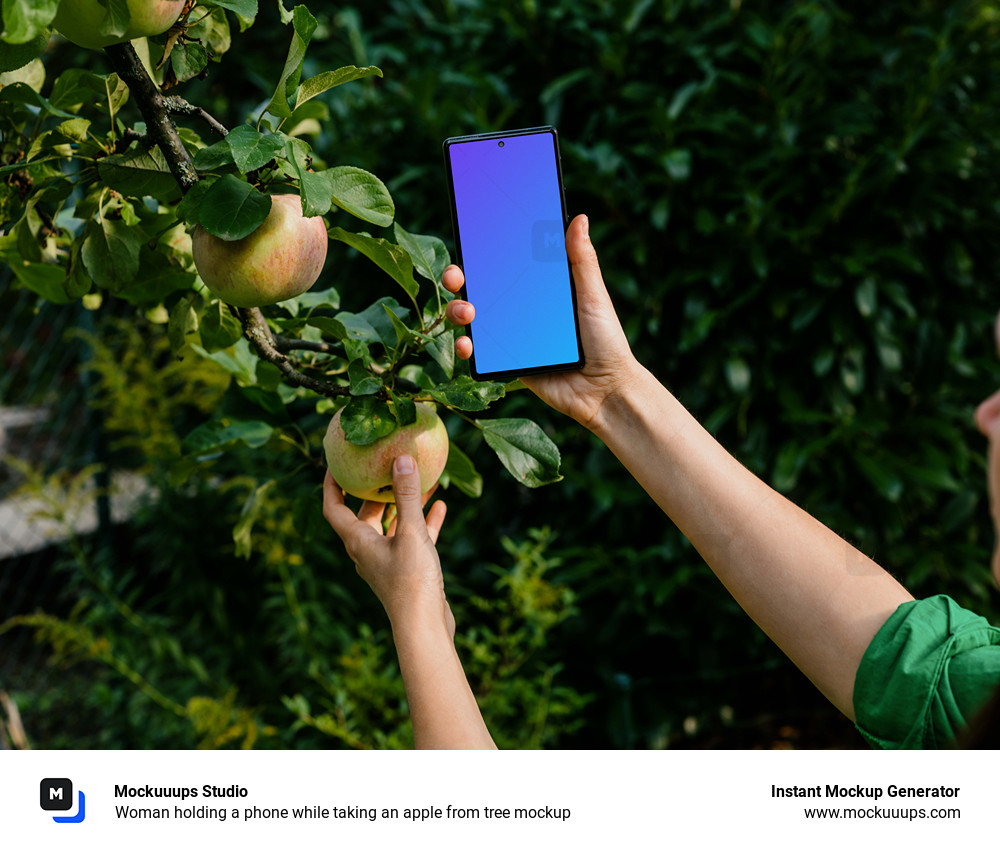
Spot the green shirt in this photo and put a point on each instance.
(925, 675)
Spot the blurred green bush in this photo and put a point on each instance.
(795, 208)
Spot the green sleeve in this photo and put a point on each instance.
(925, 675)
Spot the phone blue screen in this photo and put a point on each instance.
(512, 241)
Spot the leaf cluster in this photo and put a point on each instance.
(93, 207)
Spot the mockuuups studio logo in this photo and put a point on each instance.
(548, 242)
(56, 795)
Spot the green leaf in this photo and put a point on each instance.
(330, 79)
(23, 93)
(304, 25)
(377, 315)
(366, 420)
(115, 91)
(787, 467)
(681, 98)
(78, 282)
(116, 19)
(75, 129)
(317, 299)
(158, 277)
(23, 21)
(392, 259)
(238, 360)
(29, 249)
(31, 74)
(403, 333)
(442, 349)
(189, 209)
(213, 31)
(214, 157)
(268, 400)
(404, 409)
(363, 382)
(677, 164)
(252, 149)
(429, 254)
(15, 56)
(111, 253)
(933, 476)
(361, 194)
(462, 472)
(232, 209)
(219, 327)
(78, 86)
(314, 187)
(188, 59)
(524, 450)
(344, 326)
(183, 323)
(139, 172)
(315, 192)
(866, 297)
(466, 394)
(44, 279)
(244, 8)
(886, 482)
(218, 434)
(738, 374)
(242, 531)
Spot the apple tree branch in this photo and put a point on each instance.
(156, 109)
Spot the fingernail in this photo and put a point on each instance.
(586, 226)
(405, 465)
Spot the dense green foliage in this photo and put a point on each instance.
(795, 209)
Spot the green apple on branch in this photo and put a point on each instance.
(94, 24)
(366, 471)
(282, 258)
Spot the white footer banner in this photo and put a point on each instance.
(152, 799)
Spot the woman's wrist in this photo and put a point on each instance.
(418, 616)
(621, 403)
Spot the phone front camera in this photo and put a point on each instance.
(500, 144)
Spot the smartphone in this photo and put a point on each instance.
(509, 216)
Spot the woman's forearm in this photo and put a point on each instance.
(817, 597)
(442, 706)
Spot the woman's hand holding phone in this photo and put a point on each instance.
(610, 365)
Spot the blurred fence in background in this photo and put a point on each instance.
(48, 437)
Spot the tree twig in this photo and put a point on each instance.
(177, 105)
(284, 344)
(255, 329)
(151, 104)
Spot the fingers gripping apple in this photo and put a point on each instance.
(366, 471)
(281, 259)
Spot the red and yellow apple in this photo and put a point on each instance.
(366, 471)
(80, 20)
(281, 259)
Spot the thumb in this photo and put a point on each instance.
(590, 287)
(406, 489)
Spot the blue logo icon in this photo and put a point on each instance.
(56, 795)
